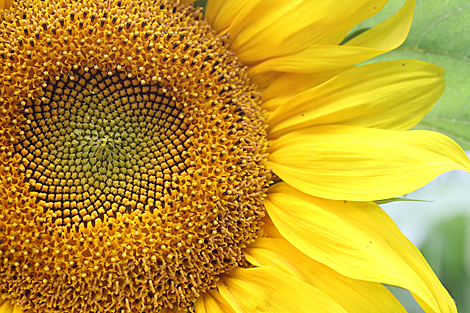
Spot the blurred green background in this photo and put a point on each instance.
(440, 228)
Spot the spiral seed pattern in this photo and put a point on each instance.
(132, 156)
(96, 145)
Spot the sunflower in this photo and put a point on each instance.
(155, 159)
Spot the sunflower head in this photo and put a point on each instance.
(132, 156)
(136, 158)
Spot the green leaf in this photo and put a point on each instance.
(351, 35)
(200, 3)
(440, 34)
(446, 249)
(385, 201)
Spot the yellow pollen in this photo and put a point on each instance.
(132, 156)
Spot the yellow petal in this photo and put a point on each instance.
(389, 32)
(314, 59)
(8, 307)
(18, 309)
(356, 163)
(5, 4)
(212, 302)
(187, 1)
(358, 240)
(390, 95)
(288, 85)
(264, 29)
(269, 229)
(266, 289)
(318, 58)
(221, 13)
(355, 295)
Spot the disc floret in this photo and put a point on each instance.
(132, 159)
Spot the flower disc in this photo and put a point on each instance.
(132, 156)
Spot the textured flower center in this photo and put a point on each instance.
(132, 154)
(97, 145)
